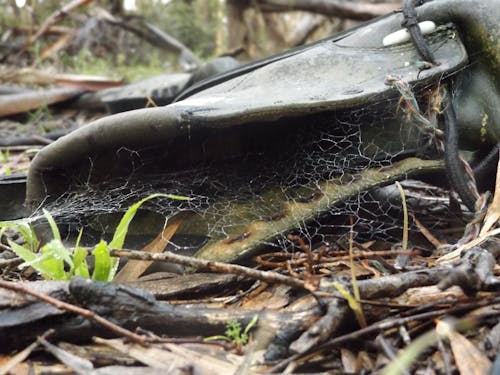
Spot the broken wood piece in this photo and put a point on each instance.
(132, 308)
(20, 103)
(475, 271)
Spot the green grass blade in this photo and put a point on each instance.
(251, 324)
(122, 228)
(53, 259)
(57, 249)
(410, 354)
(353, 304)
(80, 259)
(50, 267)
(355, 288)
(103, 263)
(25, 230)
(48, 264)
(53, 225)
(80, 263)
(27, 255)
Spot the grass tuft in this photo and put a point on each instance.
(55, 261)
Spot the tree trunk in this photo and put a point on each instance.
(237, 31)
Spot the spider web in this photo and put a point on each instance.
(262, 174)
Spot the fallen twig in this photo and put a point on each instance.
(23, 354)
(200, 264)
(387, 324)
(52, 19)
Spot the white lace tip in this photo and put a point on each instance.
(403, 35)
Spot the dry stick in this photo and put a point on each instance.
(10, 262)
(5, 247)
(201, 264)
(220, 267)
(327, 260)
(22, 355)
(337, 8)
(141, 340)
(20, 148)
(387, 324)
(307, 250)
(156, 37)
(426, 233)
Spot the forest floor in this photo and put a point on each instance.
(372, 306)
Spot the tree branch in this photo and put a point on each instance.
(338, 8)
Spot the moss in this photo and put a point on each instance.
(487, 43)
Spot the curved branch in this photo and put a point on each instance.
(337, 8)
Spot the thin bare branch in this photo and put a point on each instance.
(338, 8)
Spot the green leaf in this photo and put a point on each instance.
(103, 263)
(57, 249)
(251, 324)
(49, 264)
(53, 225)
(81, 267)
(409, 355)
(50, 267)
(352, 302)
(233, 329)
(54, 256)
(233, 332)
(176, 197)
(53, 259)
(122, 228)
(218, 337)
(79, 260)
(25, 254)
(25, 230)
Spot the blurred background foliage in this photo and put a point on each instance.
(198, 24)
(84, 40)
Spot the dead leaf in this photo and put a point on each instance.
(151, 356)
(171, 357)
(468, 358)
(135, 268)
(266, 301)
(78, 364)
(349, 361)
(493, 213)
(454, 256)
